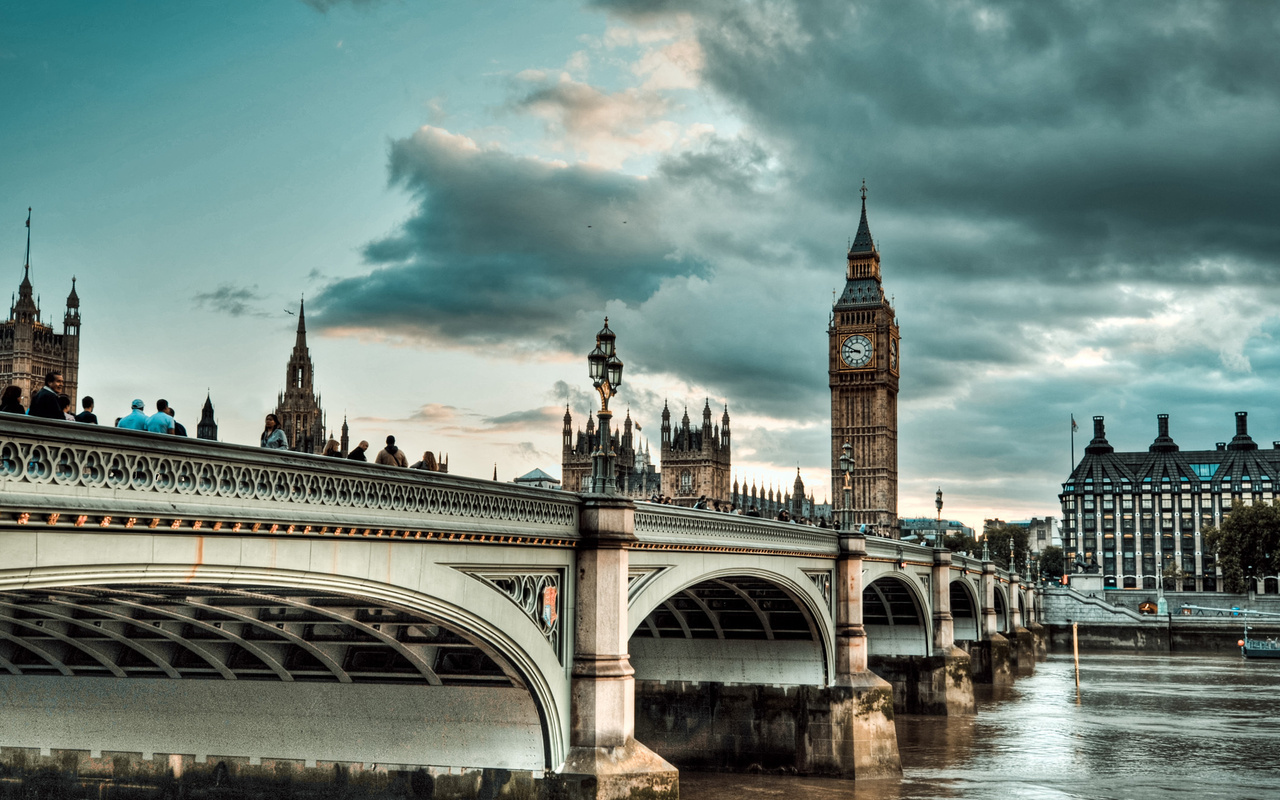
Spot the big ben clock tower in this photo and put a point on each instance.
(863, 366)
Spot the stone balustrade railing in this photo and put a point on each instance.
(76, 470)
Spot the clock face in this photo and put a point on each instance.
(856, 350)
(893, 354)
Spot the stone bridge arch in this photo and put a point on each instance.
(896, 617)
(1000, 598)
(740, 620)
(351, 661)
(966, 611)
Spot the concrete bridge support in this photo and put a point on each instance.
(862, 702)
(605, 762)
(1024, 646)
(992, 656)
(1039, 634)
(941, 682)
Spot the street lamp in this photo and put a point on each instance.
(605, 369)
(937, 541)
(846, 468)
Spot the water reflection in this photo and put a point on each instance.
(1142, 727)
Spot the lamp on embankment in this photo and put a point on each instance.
(605, 369)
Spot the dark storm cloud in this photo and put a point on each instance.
(504, 247)
(1107, 141)
(236, 301)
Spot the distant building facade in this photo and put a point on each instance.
(769, 502)
(537, 479)
(696, 461)
(1140, 516)
(30, 348)
(926, 528)
(298, 406)
(633, 470)
(1042, 532)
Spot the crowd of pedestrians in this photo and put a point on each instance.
(51, 403)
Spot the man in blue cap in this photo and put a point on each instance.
(137, 420)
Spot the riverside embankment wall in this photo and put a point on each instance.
(1106, 626)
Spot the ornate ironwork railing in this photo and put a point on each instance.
(51, 466)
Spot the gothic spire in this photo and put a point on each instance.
(862, 242)
(302, 323)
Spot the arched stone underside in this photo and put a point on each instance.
(730, 629)
(268, 669)
(894, 619)
(236, 633)
(964, 612)
(1002, 609)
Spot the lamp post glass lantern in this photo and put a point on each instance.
(937, 541)
(605, 369)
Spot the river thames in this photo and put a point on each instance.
(1140, 727)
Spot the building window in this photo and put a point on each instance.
(686, 481)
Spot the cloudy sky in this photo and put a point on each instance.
(1076, 204)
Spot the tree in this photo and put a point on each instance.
(1052, 563)
(998, 537)
(1247, 545)
(961, 543)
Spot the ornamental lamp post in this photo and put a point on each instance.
(605, 369)
(846, 469)
(937, 541)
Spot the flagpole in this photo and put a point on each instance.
(28, 261)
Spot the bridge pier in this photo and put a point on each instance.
(1039, 635)
(863, 731)
(993, 655)
(1024, 644)
(941, 683)
(605, 762)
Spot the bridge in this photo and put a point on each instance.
(171, 605)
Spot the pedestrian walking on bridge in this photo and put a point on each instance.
(272, 436)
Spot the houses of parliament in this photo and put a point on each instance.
(30, 346)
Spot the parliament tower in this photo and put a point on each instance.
(863, 370)
(31, 348)
(298, 406)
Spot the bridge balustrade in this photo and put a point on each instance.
(88, 475)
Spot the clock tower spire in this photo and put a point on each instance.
(863, 374)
